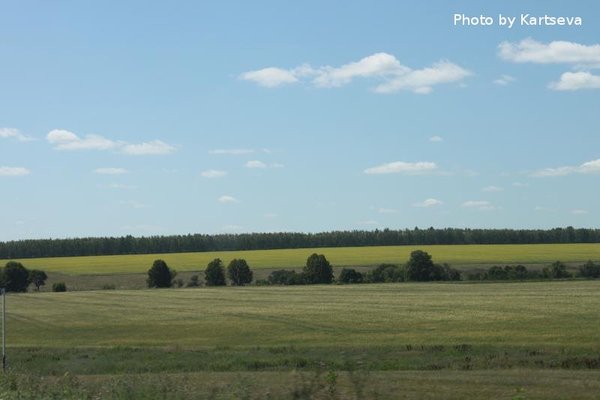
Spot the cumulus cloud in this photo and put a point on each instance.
(401, 167)
(111, 171)
(556, 52)
(14, 171)
(62, 139)
(256, 164)
(232, 152)
(213, 173)
(428, 203)
(576, 81)
(479, 205)
(225, 199)
(589, 167)
(12, 133)
(436, 139)
(504, 80)
(380, 66)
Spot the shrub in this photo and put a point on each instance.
(449, 273)
(318, 269)
(590, 270)
(160, 275)
(214, 274)
(496, 273)
(194, 281)
(556, 270)
(15, 277)
(349, 275)
(516, 272)
(285, 277)
(108, 286)
(59, 287)
(239, 272)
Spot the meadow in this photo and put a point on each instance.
(406, 340)
(464, 256)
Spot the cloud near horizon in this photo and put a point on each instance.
(589, 167)
(381, 66)
(401, 167)
(12, 133)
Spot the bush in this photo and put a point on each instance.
(556, 270)
(285, 277)
(59, 287)
(108, 286)
(15, 277)
(318, 269)
(518, 272)
(386, 273)
(194, 281)
(349, 275)
(449, 273)
(496, 273)
(590, 270)
(160, 275)
(214, 274)
(239, 272)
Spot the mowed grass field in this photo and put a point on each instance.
(529, 340)
(457, 255)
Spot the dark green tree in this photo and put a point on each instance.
(420, 267)
(15, 277)
(59, 287)
(37, 278)
(214, 274)
(238, 272)
(590, 270)
(350, 275)
(160, 275)
(318, 269)
(556, 270)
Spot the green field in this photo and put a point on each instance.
(458, 255)
(503, 340)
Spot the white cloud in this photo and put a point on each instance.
(428, 203)
(213, 173)
(111, 171)
(225, 199)
(422, 81)
(12, 133)
(154, 147)
(232, 152)
(382, 210)
(436, 139)
(579, 212)
(400, 167)
(116, 186)
(14, 171)
(65, 140)
(270, 77)
(479, 205)
(556, 52)
(492, 189)
(589, 167)
(576, 81)
(504, 80)
(381, 66)
(369, 222)
(256, 164)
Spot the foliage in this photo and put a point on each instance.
(285, 277)
(280, 240)
(386, 273)
(556, 270)
(160, 275)
(37, 278)
(238, 272)
(214, 274)
(590, 270)
(349, 275)
(194, 281)
(15, 277)
(59, 287)
(512, 272)
(318, 269)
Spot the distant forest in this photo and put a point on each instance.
(263, 241)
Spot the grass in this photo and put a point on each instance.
(457, 255)
(529, 340)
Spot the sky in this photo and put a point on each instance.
(158, 118)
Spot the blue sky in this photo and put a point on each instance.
(210, 117)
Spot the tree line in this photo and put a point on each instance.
(95, 246)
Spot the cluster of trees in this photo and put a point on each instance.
(238, 271)
(263, 241)
(14, 277)
(556, 270)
